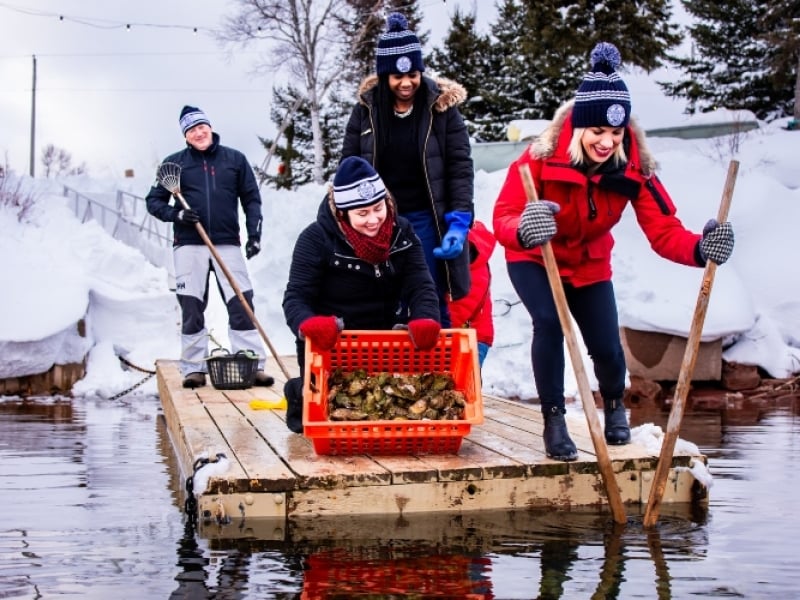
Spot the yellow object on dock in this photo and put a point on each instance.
(258, 404)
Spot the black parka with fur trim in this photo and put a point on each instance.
(446, 156)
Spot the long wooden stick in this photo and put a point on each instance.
(232, 281)
(584, 389)
(687, 366)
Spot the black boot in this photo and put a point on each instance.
(617, 430)
(557, 443)
(293, 390)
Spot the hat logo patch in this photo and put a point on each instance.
(366, 190)
(615, 115)
(403, 64)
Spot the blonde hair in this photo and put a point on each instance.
(578, 155)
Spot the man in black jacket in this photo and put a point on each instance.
(215, 180)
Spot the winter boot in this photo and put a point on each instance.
(263, 379)
(293, 391)
(617, 430)
(194, 380)
(557, 443)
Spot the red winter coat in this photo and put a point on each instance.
(590, 206)
(475, 309)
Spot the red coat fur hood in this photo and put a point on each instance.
(590, 205)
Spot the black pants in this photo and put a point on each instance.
(595, 312)
(293, 392)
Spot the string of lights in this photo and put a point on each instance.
(129, 25)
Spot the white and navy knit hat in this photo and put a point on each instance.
(399, 50)
(191, 116)
(602, 99)
(356, 184)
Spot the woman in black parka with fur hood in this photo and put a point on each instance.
(355, 267)
(409, 128)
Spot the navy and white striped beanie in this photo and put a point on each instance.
(191, 116)
(602, 99)
(399, 50)
(356, 184)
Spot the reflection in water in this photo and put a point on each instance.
(93, 509)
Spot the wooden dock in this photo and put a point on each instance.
(501, 465)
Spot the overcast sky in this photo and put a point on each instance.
(111, 95)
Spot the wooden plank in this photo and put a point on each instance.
(189, 425)
(501, 463)
(309, 468)
(264, 470)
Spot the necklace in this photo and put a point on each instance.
(403, 115)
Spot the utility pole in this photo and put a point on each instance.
(33, 120)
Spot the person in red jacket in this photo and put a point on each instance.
(475, 309)
(588, 166)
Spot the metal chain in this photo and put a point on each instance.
(133, 387)
(190, 504)
(125, 361)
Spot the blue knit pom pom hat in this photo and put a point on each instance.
(602, 99)
(192, 116)
(356, 184)
(399, 50)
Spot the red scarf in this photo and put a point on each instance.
(374, 250)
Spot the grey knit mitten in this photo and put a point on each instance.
(717, 242)
(537, 223)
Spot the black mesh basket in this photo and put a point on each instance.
(232, 371)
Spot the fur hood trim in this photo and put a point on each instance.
(449, 92)
(546, 143)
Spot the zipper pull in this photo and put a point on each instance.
(592, 205)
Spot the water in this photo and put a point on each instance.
(91, 508)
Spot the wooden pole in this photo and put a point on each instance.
(32, 166)
(236, 289)
(687, 366)
(584, 389)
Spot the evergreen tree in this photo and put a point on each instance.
(735, 60)
(782, 24)
(364, 27)
(467, 59)
(538, 53)
(286, 154)
(294, 156)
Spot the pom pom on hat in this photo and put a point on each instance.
(356, 184)
(602, 99)
(399, 50)
(191, 116)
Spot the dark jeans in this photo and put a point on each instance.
(595, 312)
(425, 228)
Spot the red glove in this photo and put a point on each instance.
(322, 331)
(424, 333)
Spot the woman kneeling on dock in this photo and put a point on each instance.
(358, 266)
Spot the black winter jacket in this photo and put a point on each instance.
(213, 183)
(327, 278)
(446, 153)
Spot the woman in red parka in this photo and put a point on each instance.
(475, 309)
(588, 166)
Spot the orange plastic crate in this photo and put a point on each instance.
(392, 351)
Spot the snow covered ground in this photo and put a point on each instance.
(58, 271)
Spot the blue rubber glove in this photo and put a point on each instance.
(453, 240)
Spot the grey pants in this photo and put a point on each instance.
(193, 265)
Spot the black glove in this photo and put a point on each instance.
(187, 216)
(251, 248)
(717, 242)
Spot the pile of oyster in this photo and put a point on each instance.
(360, 396)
